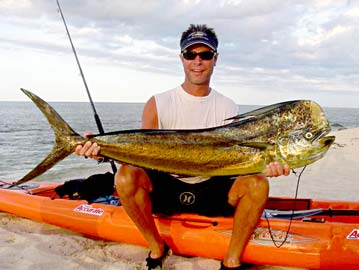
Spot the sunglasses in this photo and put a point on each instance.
(207, 55)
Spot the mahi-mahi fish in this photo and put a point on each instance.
(292, 132)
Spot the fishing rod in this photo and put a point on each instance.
(97, 118)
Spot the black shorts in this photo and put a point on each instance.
(171, 195)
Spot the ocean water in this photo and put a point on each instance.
(26, 137)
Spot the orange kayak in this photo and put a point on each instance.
(322, 234)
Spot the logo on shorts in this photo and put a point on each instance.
(187, 198)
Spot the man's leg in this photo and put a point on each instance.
(249, 195)
(133, 187)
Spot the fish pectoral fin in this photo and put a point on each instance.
(258, 145)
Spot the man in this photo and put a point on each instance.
(194, 104)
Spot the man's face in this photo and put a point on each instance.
(198, 71)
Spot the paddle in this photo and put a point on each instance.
(297, 214)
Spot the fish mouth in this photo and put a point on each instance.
(321, 138)
(326, 142)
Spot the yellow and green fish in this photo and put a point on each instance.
(292, 133)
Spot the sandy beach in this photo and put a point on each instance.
(25, 244)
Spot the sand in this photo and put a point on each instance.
(25, 244)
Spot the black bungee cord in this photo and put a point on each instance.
(275, 242)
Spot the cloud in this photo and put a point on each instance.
(278, 44)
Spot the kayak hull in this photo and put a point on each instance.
(316, 242)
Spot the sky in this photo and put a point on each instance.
(269, 50)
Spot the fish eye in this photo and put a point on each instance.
(308, 135)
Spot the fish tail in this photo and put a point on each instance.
(66, 139)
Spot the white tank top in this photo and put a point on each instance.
(176, 109)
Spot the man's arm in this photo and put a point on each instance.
(149, 115)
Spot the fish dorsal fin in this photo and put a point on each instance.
(262, 111)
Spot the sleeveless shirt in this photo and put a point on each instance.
(176, 109)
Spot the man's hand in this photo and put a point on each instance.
(275, 169)
(89, 149)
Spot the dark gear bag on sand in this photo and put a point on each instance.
(90, 189)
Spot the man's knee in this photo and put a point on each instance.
(255, 187)
(129, 179)
(258, 184)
